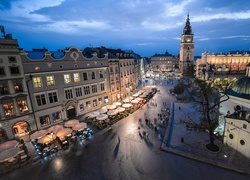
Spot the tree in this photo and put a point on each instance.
(179, 88)
(207, 100)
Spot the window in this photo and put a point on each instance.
(242, 142)
(68, 94)
(17, 84)
(8, 108)
(50, 80)
(14, 70)
(94, 103)
(86, 90)
(12, 59)
(244, 126)
(88, 104)
(37, 81)
(67, 79)
(93, 75)
(94, 88)
(106, 99)
(111, 69)
(101, 74)
(44, 120)
(231, 136)
(52, 97)
(2, 72)
(85, 76)
(78, 91)
(99, 100)
(81, 107)
(40, 99)
(76, 77)
(4, 88)
(112, 88)
(22, 105)
(116, 69)
(102, 87)
(56, 116)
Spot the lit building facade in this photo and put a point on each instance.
(65, 84)
(223, 66)
(186, 49)
(16, 118)
(237, 120)
(164, 62)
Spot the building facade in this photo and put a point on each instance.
(164, 62)
(186, 49)
(16, 117)
(65, 84)
(222, 67)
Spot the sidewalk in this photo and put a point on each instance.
(193, 145)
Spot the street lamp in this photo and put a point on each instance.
(52, 133)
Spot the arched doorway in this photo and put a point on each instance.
(71, 112)
(21, 128)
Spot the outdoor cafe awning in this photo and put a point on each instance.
(71, 123)
(126, 105)
(93, 114)
(8, 153)
(80, 126)
(102, 117)
(64, 132)
(112, 112)
(8, 145)
(39, 134)
(55, 128)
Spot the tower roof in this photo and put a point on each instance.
(187, 29)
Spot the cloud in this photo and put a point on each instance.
(236, 36)
(230, 16)
(203, 39)
(176, 9)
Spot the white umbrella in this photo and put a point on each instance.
(135, 95)
(102, 110)
(9, 153)
(102, 117)
(110, 106)
(63, 132)
(143, 96)
(39, 134)
(120, 109)
(134, 101)
(71, 123)
(55, 128)
(80, 126)
(117, 103)
(126, 105)
(112, 112)
(139, 99)
(93, 114)
(8, 145)
(46, 139)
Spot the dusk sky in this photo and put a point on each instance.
(144, 26)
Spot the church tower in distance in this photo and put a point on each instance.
(187, 50)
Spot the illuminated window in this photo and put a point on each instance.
(22, 105)
(56, 116)
(37, 81)
(50, 80)
(94, 102)
(17, 84)
(8, 108)
(88, 104)
(76, 77)
(44, 120)
(81, 107)
(67, 79)
(106, 99)
(99, 100)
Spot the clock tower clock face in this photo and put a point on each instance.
(188, 39)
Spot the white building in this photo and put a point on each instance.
(16, 118)
(237, 120)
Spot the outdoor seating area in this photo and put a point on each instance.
(49, 141)
(110, 114)
(12, 154)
